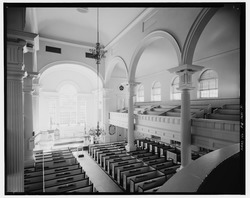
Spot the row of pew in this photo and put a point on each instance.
(137, 171)
(225, 112)
(56, 171)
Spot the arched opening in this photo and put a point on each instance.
(158, 52)
(68, 103)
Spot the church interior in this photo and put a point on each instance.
(124, 99)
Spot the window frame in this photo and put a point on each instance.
(210, 80)
(174, 90)
(154, 95)
(139, 96)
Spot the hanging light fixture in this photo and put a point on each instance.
(97, 53)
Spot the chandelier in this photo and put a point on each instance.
(97, 53)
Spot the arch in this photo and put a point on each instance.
(111, 66)
(58, 88)
(147, 41)
(194, 34)
(74, 65)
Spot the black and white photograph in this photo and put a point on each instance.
(123, 98)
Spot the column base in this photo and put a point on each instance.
(130, 147)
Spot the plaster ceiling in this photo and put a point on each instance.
(70, 25)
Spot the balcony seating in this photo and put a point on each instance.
(226, 112)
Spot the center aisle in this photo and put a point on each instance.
(102, 182)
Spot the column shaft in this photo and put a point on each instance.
(131, 138)
(185, 128)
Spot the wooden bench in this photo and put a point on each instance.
(51, 171)
(170, 171)
(137, 152)
(53, 182)
(174, 154)
(162, 149)
(56, 163)
(163, 165)
(105, 156)
(70, 186)
(143, 155)
(115, 160)
(117, 165)
(139, 180)
(126, 175)
(155, 161)
(148, 158)
(121, 170)
(54, 158)
(116, 156)
(85, 189)
(115, 150)
(151, 184)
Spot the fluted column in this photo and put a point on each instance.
(185, 73)
(131, 137)
(28, 118)
(14, 130)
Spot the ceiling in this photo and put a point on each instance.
(55, 23)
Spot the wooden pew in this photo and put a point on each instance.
(139, 180)
(151, 184)
(56, 163)
(116, 165)
(116, 156)
(54, 158)
(64, 180)
(105, 156)
(85, 189)
(70, 186)
(148, 158)
(163, 165)
(121, 170)
(155, 161)
(126, 175)
(174, 154)
(152, 190)
(53, 182)
(170, 171)
(99, 154)
(52, 170)
(162, 149)
(103, 150)
(114, 160)
(137, 152)
(142, 155)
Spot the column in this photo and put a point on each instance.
(185, 73)
(35, 103)
(106, 109)
(131, 137)
(14, 129)
(28, 119)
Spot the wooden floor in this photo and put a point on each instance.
(102, 182)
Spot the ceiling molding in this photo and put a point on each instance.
(145, 13)
(87, 46)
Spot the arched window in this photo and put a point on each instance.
(175, 93)
(208, 84)
(140, 94)
(156, 91)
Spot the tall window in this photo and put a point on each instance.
(140, 94)
(175, 93)
(208, 84)
(68, 105)
(156, 91)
